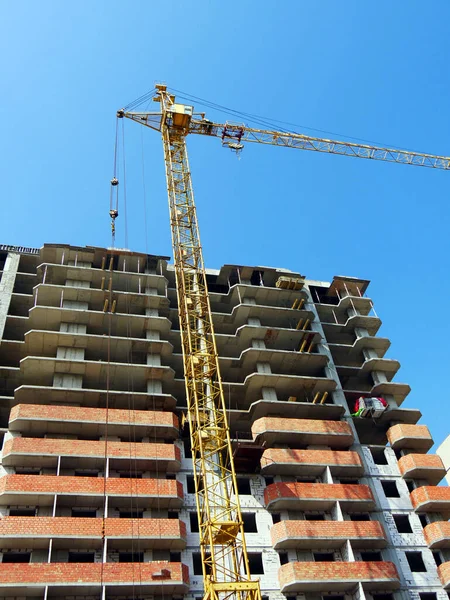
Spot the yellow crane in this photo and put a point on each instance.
(226, 571)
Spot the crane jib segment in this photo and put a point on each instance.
(225, 562)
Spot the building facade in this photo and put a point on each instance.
(96, 486)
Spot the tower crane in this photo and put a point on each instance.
(226, 571)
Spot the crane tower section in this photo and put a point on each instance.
(224, 556)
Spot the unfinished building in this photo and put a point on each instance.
(96, 486)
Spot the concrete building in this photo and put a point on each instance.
(444, 453)
(91, 400)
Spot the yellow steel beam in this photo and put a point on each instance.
(225, 563)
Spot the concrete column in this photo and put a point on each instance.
(6, 287)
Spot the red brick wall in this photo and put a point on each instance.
(79, 574)
(338, 491)
(92, 415)
(92, 528)
(51, 484)
(409, 462)
(335, 571)
(61, 447)
(400, 431)
(314, 457)
(428, 493)
(301, 426)
(444, 574)
(326, 529)
(437, 531)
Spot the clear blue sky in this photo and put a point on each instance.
(375, 70)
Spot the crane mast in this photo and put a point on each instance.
(225, 562)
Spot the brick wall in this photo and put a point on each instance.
(444, 574)
(90, 573)
(410, 462)
(92, 486)
(313, 457)
(317, 426)
(340, 530)
(92, 415)
(430, 497)
(400, 431)
(334, 491)
(91, 528)
(61, 447)
(315, 572)
(437, 534)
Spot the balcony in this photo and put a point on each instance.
(414, 437)
(318, 496)
(432, 499)
(40, 370)
(437, 535)
(93, 397)
(337, 576)
(40, 490)
(57, 274)
(65, 579)
(44, 452)
(444, 575)
(71, 532)
(281, 461)
(327, 534)
(422, 466)
(295, 409)
(273, 430)
(41, 419)
(39, 342)
(123, 324)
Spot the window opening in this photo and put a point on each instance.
(323, 556)
(276, 518)
(249, 520)
(390, 489)
(415, 562)
(175, 557)
(131, 557)
(16, 557)
(137, 513)
(410, 485)
(22, 512)
(243, 486)
(84, 513)
(284, 557)
(371, 556)
(310, 517)
(81, 557)
(197, 563)
(193, 518)
(402, 523)
(360, 517)
(256, 564)
(423, 519)
(437, 557)
(427, 595)
(379, 456)
(190, 484)
(172, 514)
(269, 480)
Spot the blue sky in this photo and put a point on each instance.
(376, 71)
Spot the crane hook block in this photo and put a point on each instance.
(114, 181)
(113, 214)
(120, 113)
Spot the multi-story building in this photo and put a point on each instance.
(96, 486)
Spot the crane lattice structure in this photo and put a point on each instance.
(225, 562)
